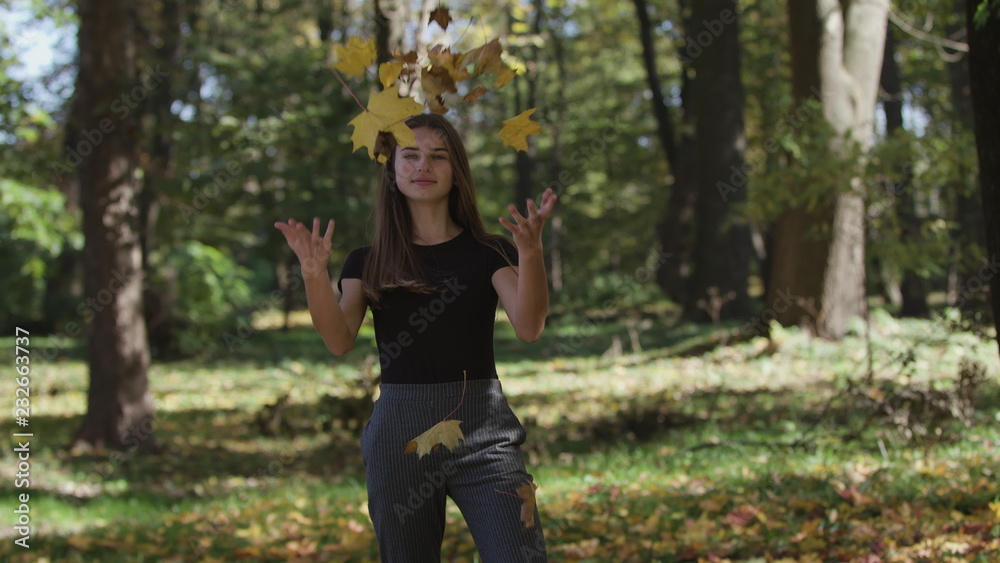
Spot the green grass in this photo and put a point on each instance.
(658, 455)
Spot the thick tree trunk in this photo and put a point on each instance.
(120, 412)
(675, 229)
(984, 44)
(818, 273)
(912, 288)
(968, 236)
(722, 247)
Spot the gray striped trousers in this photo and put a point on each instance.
(407, 493)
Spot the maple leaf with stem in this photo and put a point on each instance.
(516, 130)
(386, 112)
(526, 492)
(447, 433)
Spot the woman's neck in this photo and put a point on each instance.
(432, 224)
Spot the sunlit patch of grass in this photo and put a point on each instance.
(651, 455)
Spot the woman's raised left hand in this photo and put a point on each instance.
(527, 231)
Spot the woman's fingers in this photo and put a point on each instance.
(328, 237)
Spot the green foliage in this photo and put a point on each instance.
(206, 288)
(36, 228)
(984, 9)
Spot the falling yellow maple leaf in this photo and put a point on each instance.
(386, 112)
(356, 56)
(527, 494)
(445, 433)
(516, 130)
(389, 71)
(504, 77)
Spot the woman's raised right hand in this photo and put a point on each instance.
(312, 249)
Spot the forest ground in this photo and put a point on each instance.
(676, 450)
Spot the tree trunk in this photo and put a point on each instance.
(721, 256)
(913, 288)
(160, 322)
(818, 273)
(525, 160)
(968, 236)
(120, 411)
(984, 44)
(674, 230)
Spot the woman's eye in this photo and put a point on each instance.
(409, 156)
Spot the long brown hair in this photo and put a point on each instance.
(392, 262)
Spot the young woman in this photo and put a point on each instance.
(432, 277)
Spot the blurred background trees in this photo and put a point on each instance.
(724, 161)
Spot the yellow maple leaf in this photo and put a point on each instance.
(504, 77)
(386, 112)
(516, 130)
(445, 433)
(389, 71)
(527, 494)
(356, 56)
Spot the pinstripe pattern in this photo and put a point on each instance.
(406, 494)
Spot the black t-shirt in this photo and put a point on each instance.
(433, 338)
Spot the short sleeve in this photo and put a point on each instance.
(354, 265)
(497, 260)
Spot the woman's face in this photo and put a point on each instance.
(423, 172)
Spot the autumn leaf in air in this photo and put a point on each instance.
(445, 433)
(386, 112)
(441, 16)
(516, 130)
(527, 494)
(485, 58)
(389, 71)
(356, 56)
(473, 96)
